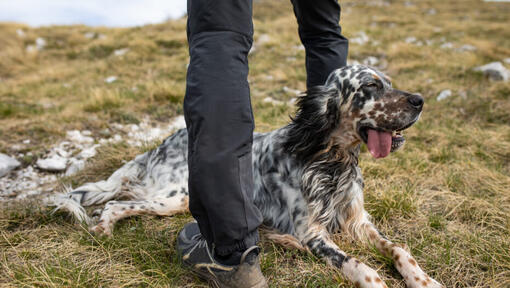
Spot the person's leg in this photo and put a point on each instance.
(220, 124)
(320, 32)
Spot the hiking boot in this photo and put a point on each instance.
(197, 256)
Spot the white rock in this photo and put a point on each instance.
(88, 152)
(20, 33)
(263, 39)
(361, 38)
(466, 48)
(55, 163)
(177, 123)
(444, 94)
(411, 39)
(291, 91)
(89, 35)
(26, 141)
(120, 52)
(40, 43)
(110, 79)
(352, 62)
(495, 71)
(31, 49)
(507, 60)
(432, 11)
(447, 45)
(272, 101)
(77, 137)
(75, 166)
(7, 164)
(371, 61)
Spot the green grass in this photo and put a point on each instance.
(445, 194)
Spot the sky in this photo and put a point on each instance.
(111, 13)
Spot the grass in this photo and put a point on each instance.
(446, 194)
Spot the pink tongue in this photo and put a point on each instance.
(379, 143)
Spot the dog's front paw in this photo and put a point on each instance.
(423, 282)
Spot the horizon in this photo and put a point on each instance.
(128, 13)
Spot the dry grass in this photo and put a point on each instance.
(447, 194)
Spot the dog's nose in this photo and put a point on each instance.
(416, 100)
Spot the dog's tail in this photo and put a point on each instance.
(74, 200)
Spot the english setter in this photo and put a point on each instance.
(307, 181)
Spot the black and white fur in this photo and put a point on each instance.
(307, 181)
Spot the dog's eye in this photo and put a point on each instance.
(371, 85)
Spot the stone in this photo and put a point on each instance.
(466, 48)
(361, 38)
(110, 79)
(88, 152)
(75, 166)
(77, 137)
(444, 94)
(7, 164)
(54, 163)
(291, 91)
(120, 52)
(177, 123)
(40, 43)
(410, 39)
(495, 71)
(371, 61)
(507, 60)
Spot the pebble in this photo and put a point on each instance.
(54, 163)
(7, 164)
(361, 38)
(495, 71)
(110, 79)
(444, 94)
(120, 52)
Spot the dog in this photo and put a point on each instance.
(308, 184)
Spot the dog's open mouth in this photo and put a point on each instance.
(381, 142)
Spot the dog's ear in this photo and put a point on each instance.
(317, 116)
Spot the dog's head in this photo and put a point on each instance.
(357, 104)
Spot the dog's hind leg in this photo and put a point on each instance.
(317, 240)
(404, 262)
(116, 210)
(99, 192)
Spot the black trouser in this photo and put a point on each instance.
(218, 113)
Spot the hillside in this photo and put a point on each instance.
(446, 194)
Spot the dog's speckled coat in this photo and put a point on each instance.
(307, 181)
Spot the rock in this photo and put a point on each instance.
(26, 141)
(272, 101)
(411, 39)
(88, 152)
(263, 39)
(75, 166)
(177, 123)
(54, 164)
(507, 60)
(120, 52)
(89, 35)
(432, 11)
(447, 45)
(444, 94)
(20, 33)
(77, 137)
(110, 79)
(495, 71)
(291, 91)
(7, 164)
(371, 61)
(40, 43)
(361, 38)
(466, 48)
